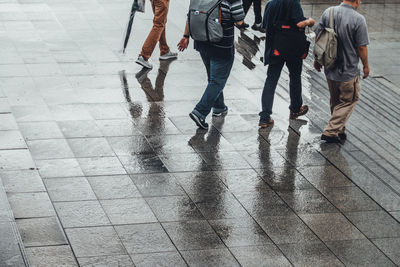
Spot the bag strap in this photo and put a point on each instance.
(331, 15)
(289, 9)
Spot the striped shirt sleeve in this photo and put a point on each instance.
(237, 11)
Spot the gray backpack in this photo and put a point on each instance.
(326, 44)
(205, 20)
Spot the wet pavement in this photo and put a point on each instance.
(103, 167)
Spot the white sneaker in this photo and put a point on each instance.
(143, 62)
(169, 55)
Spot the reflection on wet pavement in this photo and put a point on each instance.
(102, 165)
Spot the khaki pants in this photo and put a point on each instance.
(157, 33)
(344, 97)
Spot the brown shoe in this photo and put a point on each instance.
(295, 115)
(266, 124)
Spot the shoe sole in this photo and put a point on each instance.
(170, 57)
(220, 114)
(196, 120)
(296, 117)
(143, 65)
(266, 124)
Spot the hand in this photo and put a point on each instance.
(317, 66)
(183, 44)
(366, 71)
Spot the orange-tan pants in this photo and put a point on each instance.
(157, 33)
(344, 98)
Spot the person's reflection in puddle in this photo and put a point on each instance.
(248, 48)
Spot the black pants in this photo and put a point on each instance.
(274, 72)
(257, 9)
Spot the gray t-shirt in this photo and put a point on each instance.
(352, 32)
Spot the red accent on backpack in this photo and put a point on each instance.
(285, 27)
(276, 53)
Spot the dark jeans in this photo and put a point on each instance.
(273, 74)
(256, 7)
(218, 70)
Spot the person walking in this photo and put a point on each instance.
(275, 11)
(344, 77)
(257, 26)
(218, 59)
(156, 35)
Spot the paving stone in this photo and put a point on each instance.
(126, 211)
(130, 145)
(389, 246)
(192, 235)
(359, 253)
(101, 166)
(223, 206)
(331, 226)
(16, 160)
(307, 201)
(375, 224)
(350, 199)
(287, 230)
(9, 246)
(310, 255)
(211, 141)
(396, 215)
(184, 162)
(284, 179)
(55, 168)
(267, 255)
(144, 238)
(95, 241)
(210, 257)
(22, 181)
(90, 147)
(40, 130)
(240, 232)
(81, 214)
(11, 140)
(225, 160)
(242, 181)
(7, 122)
(325, 177)
(117, 127)
(50, 149)
(143, 163)
(41, 232)
(113, 187)
(69, 189)
(28, 205)
(263, 204)
(174, 208)
(157, 185)
(51, 256)
(74, 129)
(161, 259)
(118, 260)
(165, 144)
(201, 183)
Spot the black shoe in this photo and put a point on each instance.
(258, 27)
(330, 139)
(201, 123)
(343, 136)
(245, 25)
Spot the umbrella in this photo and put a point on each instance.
(138, 5)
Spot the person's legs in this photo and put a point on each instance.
(267, 98)
(246, 5)
(296, 99)
(349, 93)
(164, 48)
(257, 11)
(334, 93)
(220, 69)
(160, 9)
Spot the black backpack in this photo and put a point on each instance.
(289, 41)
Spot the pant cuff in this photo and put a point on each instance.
(198, 114)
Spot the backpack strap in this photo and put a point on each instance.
(331, 15)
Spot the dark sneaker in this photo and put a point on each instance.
(201, 123)
(245, 25)
(343, 136)
(264, 124)
(144, 63)
(219, 114)
(295, 115)
(330, 139)
(258, 27)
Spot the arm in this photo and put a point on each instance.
(184, 42)
(237, 12)
(363, 52)
(308, 22)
